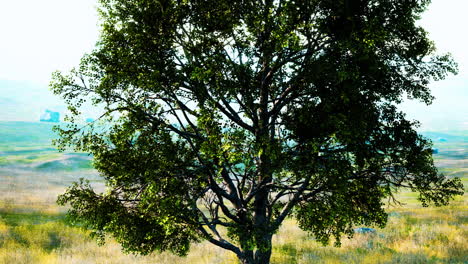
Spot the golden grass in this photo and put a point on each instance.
(412, 235)
(27, 241)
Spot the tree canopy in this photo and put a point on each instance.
(223, 118)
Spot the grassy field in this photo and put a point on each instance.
(33, 228)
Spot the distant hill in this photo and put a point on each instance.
(66, 162)
(26, 133)
(40, 133)
(450, 136)
(28, 146)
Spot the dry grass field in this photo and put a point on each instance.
(33, 229)
(413, 235)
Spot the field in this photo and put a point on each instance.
(33, 229)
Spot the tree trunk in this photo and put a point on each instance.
(260, 255)
(248, 258)
(257, 257)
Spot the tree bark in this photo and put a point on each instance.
(260, 255)
(261, 235)
(248, 258)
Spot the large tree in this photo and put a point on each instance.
(223, 118)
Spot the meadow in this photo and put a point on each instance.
(33, 229)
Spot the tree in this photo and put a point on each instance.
(223, 118)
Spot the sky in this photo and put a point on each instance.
(446, 21)
(39, 37)
(36, 39)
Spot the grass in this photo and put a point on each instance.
(47, 238)
(412, 235)
(33, 233)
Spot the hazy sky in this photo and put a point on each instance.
(446, 21)
(39, 37)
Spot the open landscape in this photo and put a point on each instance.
(33, 229)
(243, 132)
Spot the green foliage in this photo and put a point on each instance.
(238, 114)
(140, 230)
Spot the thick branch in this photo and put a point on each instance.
(221, 243)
